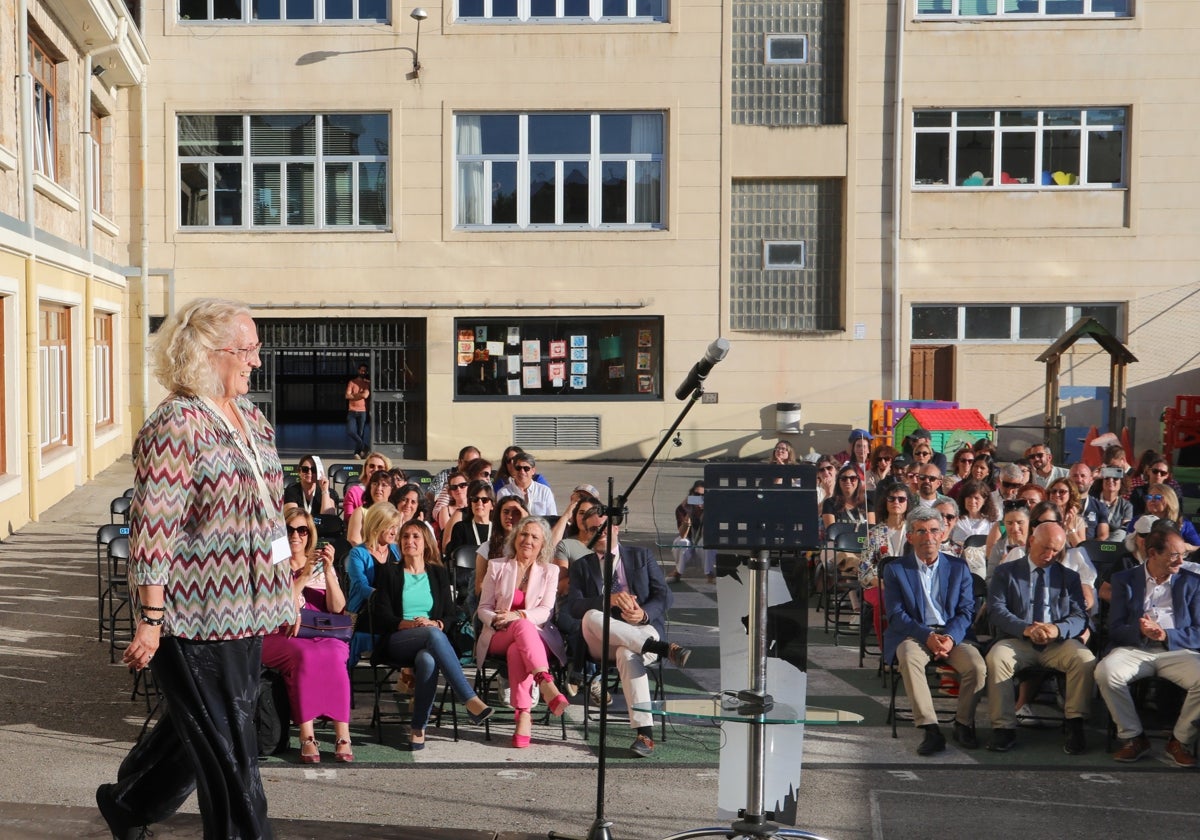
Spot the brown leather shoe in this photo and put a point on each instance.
(1180, 754)
(1133, 749)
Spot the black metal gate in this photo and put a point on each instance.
(307, 363)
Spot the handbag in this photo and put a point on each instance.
(323, 625)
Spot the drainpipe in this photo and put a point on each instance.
(898, 182)
(33, 454)
(144, 277)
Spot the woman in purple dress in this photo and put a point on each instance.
(314, 669)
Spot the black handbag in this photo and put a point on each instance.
(323, 625)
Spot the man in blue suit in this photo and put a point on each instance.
(1154, 630)
(1036, 608)
(930, 604)
(639, 603)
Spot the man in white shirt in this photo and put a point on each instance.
(538, 497)
(1044, 472)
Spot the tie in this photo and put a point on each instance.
(1039, 597)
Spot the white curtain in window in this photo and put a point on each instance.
(646, 130)
(647, 139)
(471, 192)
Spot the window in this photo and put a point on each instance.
(44, 69)
(1048, 148)
(1039, 323)
(566, 11)
(296, 171)
(559, 170)
(277, 11)
(782, 255)
(1022, 8)
(3, 386)
(103, 363)
(99, 152)
(558, 359)
(785, 49)
(54, 367)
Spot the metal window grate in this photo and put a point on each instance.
(535, 432)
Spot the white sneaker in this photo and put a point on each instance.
(1025, 717)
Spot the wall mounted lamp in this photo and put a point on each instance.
(418, 14)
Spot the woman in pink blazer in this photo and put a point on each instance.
(515, 609)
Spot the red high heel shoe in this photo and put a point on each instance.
(559, 702)
(521, 741)
(313, 757)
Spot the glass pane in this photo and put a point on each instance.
(1104, 157)
(283, 134)
(339, 203)
(355, 134)
(470, 9)
(976, 118)
(551, 134)
(1060, 158)
(1106, 116)
(577, 8)
(301, 10)
(615, 8)
(934, 322)
(301, 194)
(931, 119)
(1107, 315)
(650, 9)
(974, 163)
(1114, 7)
(499, 134)
(1018, 163)
(977, 7)
(787, 49)
(372, 10)
(339, 9)
(1064, 7)
(372, 194)
(623, 134)
(227, 185)
(988, 322)
(210, 134)
(266, 194)
(542, 9)
(504, 193)
(193, 194)
(266, 9)
(1047, 322)
(470, 195)
(227, 9)
(785, 255)
(932, 158)
(613, 209)
(541, 193)
(575, 192)
(933, 7)
(647, 200)
(1062, 117)
(1018, 118)
(193, 10)
(504, 8)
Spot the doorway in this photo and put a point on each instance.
(932, 373)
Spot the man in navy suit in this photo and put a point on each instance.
(639, 603)
(1036, 608)
(930, 604)
(1154, 630)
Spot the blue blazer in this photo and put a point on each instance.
(904, 601)
(642, 573)
(1128, 605)
(1011, 591)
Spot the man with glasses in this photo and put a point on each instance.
(929, 482)
(638, 607)
(1008, 484)
(1154, 630)
(358, 420)
(538, 497)
(948, 508)
(1093, 511)
(1037, 610)
(1044, 472)
(930, 604)
(437, 486)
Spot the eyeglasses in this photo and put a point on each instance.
(1111, 478)
(847, 478)
(920, 452)
(486, 474)
(1175, 558)
(243, 353)
(1154, 497)
(458, 486)
(1011, 485)
(1038, 455)
(884, 458)
(924, 532)
(481, 500)
(966, 460)
(929, 478)
(372, 467)
(827, 469)
(302, 530)
(898, 499)
(949, 516)
(1059, 492)
(307, 470)
(523, 468)
(1015, 504)
(1159, 472)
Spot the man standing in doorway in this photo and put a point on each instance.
(358, 420)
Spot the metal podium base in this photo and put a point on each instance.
(741, 831)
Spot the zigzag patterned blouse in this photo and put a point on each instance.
(197, 524)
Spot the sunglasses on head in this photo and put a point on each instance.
(1015, 504)
(302, 530)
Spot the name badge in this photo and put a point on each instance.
(280, 550)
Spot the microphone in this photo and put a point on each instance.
(699, 372)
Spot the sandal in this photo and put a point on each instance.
(313, 757)
(554, 698)
(521, 741)
(338, 755)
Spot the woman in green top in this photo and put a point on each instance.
(412, 603)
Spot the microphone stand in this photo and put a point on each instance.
(601, 828)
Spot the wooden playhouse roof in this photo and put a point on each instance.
(950, 419)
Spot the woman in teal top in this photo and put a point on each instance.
(412, 601)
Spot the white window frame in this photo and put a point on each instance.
(1072, 313)
(595, 14)
(955, 11)
(596, 161)
(768, 265)
(102, 362)
(45, 110)
(768, 40)
(54, 371)
(247, 161)
(1085, 128)
(318, 18)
